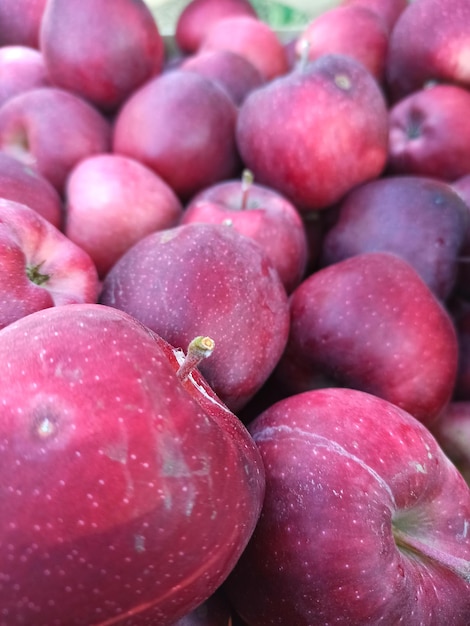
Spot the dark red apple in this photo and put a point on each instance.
(430, 133)
(423, 220)
(128, 488)
(20, 22)
(207, 279)
(182, 126)
(50, 130)
(429, 43)
(233, 72)
(371, 323)
(39, 266)
(365, 519)
(452, 431)
(112, 201)
(315, 133)
(198, 16)
(252, 38)
(388, 10)
(100, 50)
(260, 213)
(20, 183)
(21, 68)
(353, 30)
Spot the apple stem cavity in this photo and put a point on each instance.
(247, 182)
(199, 348)
(35, 276)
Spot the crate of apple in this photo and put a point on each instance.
(234, 315)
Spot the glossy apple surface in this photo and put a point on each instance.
(126, 490)
(207, 279)
(279, 139)
(371, 323)
(21, 68)
(102, 51)
(112, 201)
(40, 267)
(365, 520)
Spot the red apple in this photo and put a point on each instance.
(40, 267)
(423, 220)
(21, 68)
(462, 289)
(352, 30)
(233, 72)
(20, 22)
(371, 323)
(251, 38)
(112, 201)
(20, 183)
(388, 10)
(452, 431)
(315, 133)
(50, 130)
(260, 213)
(365, 519)
(429, 43)
(430, 133)
(207, 279)
(129, 489)
(198, 16)
(182, 126)
(100, 50)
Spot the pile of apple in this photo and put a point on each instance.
(234, 315)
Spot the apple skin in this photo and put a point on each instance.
(101, 51)
(423, 220)
(430, 133)
(251, 38)
(174, 119)
(126, 490)
(21, 68)
(371, 323)
(352, 30)
(207, 279)
(198, 16)
(429, 43)
(388, 10)
(112, 201)
(20, 183)
(40, 267)
(234, 72)
(365, 519)
(20, 22)
(278, 131)
(264, 215)
(50, 130)
(452, 431)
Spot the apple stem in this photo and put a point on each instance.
(302, 54)
(199, 348)
(247, 182)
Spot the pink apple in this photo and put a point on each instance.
(112, 201)
(182, 126)
(20, 183)
(102, 51)
(20, 22)
(371, 323)
(423, 220)
(251, 38)
(429, 43)
(21, 68)
(388, 10)
(207, 279)
(430, 133)
(129, 489)
(233, 72)
(198, 16)
(263, 215)
(365, 519)
(40, 267)
(352, 30)
(50, 130)
(315, 133)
